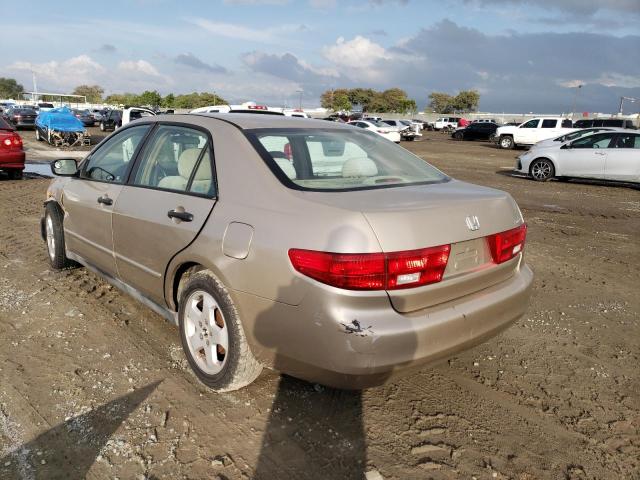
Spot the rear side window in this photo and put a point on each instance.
(627, 141)
(336, 159)
(548, 123)
(176, 158)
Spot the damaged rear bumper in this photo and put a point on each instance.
(352, 341)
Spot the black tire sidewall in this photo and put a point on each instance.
(59, 260)
(226, 376)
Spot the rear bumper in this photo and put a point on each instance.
(350, 341)
(12, 160)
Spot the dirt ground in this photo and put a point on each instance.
(94, 385)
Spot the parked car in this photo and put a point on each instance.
(407, 130)
(45, 106)
(85, 116)
(476, 131)
(97, 114)
(603, 155)
(11, 151)
(332, 270)
(111, 120)
(446, 122)
(567, 137)
(604, 122)
(382, 129)
(20, 117)
(485, 120)
(129, 114)
(532, 131)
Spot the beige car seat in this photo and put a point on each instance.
(202, 180)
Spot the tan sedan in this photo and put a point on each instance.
(318, 249)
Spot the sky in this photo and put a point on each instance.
(521, 55)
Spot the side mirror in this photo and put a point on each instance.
(64, 167)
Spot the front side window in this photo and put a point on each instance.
(601, 140)
(531, 124)
(334, 160)
(110, 162)
(176, 158)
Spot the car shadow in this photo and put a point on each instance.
(313, 431)
(68, 450)
(578, 181)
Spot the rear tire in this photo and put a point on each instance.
(102, 128)
(38, 137)
(458, 136)
(208, 319)
(506, 142)
(54, 236)
(15, 174)
(542, 170)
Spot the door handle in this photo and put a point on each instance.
(184, 216)
(105, 200)
(600, 153)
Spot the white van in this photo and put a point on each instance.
(446, 122)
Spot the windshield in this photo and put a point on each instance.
(578, 134)
(333, 160)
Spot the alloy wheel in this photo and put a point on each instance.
(51, 239)
(206, 332)
(541, 170)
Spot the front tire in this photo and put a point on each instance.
(212, 336)
(506, 142)
(54, 236)
(541, 170)
(458, 136)
(102, 128)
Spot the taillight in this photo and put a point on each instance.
(506, 245)
(373, 271)
(12, 141)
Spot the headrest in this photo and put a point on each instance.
(287, 167)
(359, 167)
(187, 161)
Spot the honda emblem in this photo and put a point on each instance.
(473, 223)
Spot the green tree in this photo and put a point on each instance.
(150, 98)
(336, 100)
(92, 92)
(9, 88)
(464, 101)
(467, 100)
(440, 102)
(392, 100)
(169, 101)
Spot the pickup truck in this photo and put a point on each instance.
(532, 131)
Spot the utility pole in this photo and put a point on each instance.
(35, 87)
(622, 99)
(575, 99)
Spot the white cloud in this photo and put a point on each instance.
(139, 66)
(62, 74)
(358, 53)
(323, 4)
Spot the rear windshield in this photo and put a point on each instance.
(334, 160)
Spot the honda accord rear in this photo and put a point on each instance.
(321, 250)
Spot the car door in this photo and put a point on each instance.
(585, 157)
(164, 205)
(623, 158)
(527, 132)
(550, 128)
(88, 199)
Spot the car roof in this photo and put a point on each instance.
(248, 121)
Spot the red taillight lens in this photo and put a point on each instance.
(12, 141)
(416, 267)
(348, 271)
(506, 245)
(373, 271)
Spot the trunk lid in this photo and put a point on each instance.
(454, 212)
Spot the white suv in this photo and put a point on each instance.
(446, 122)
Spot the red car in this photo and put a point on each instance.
(11, 151)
